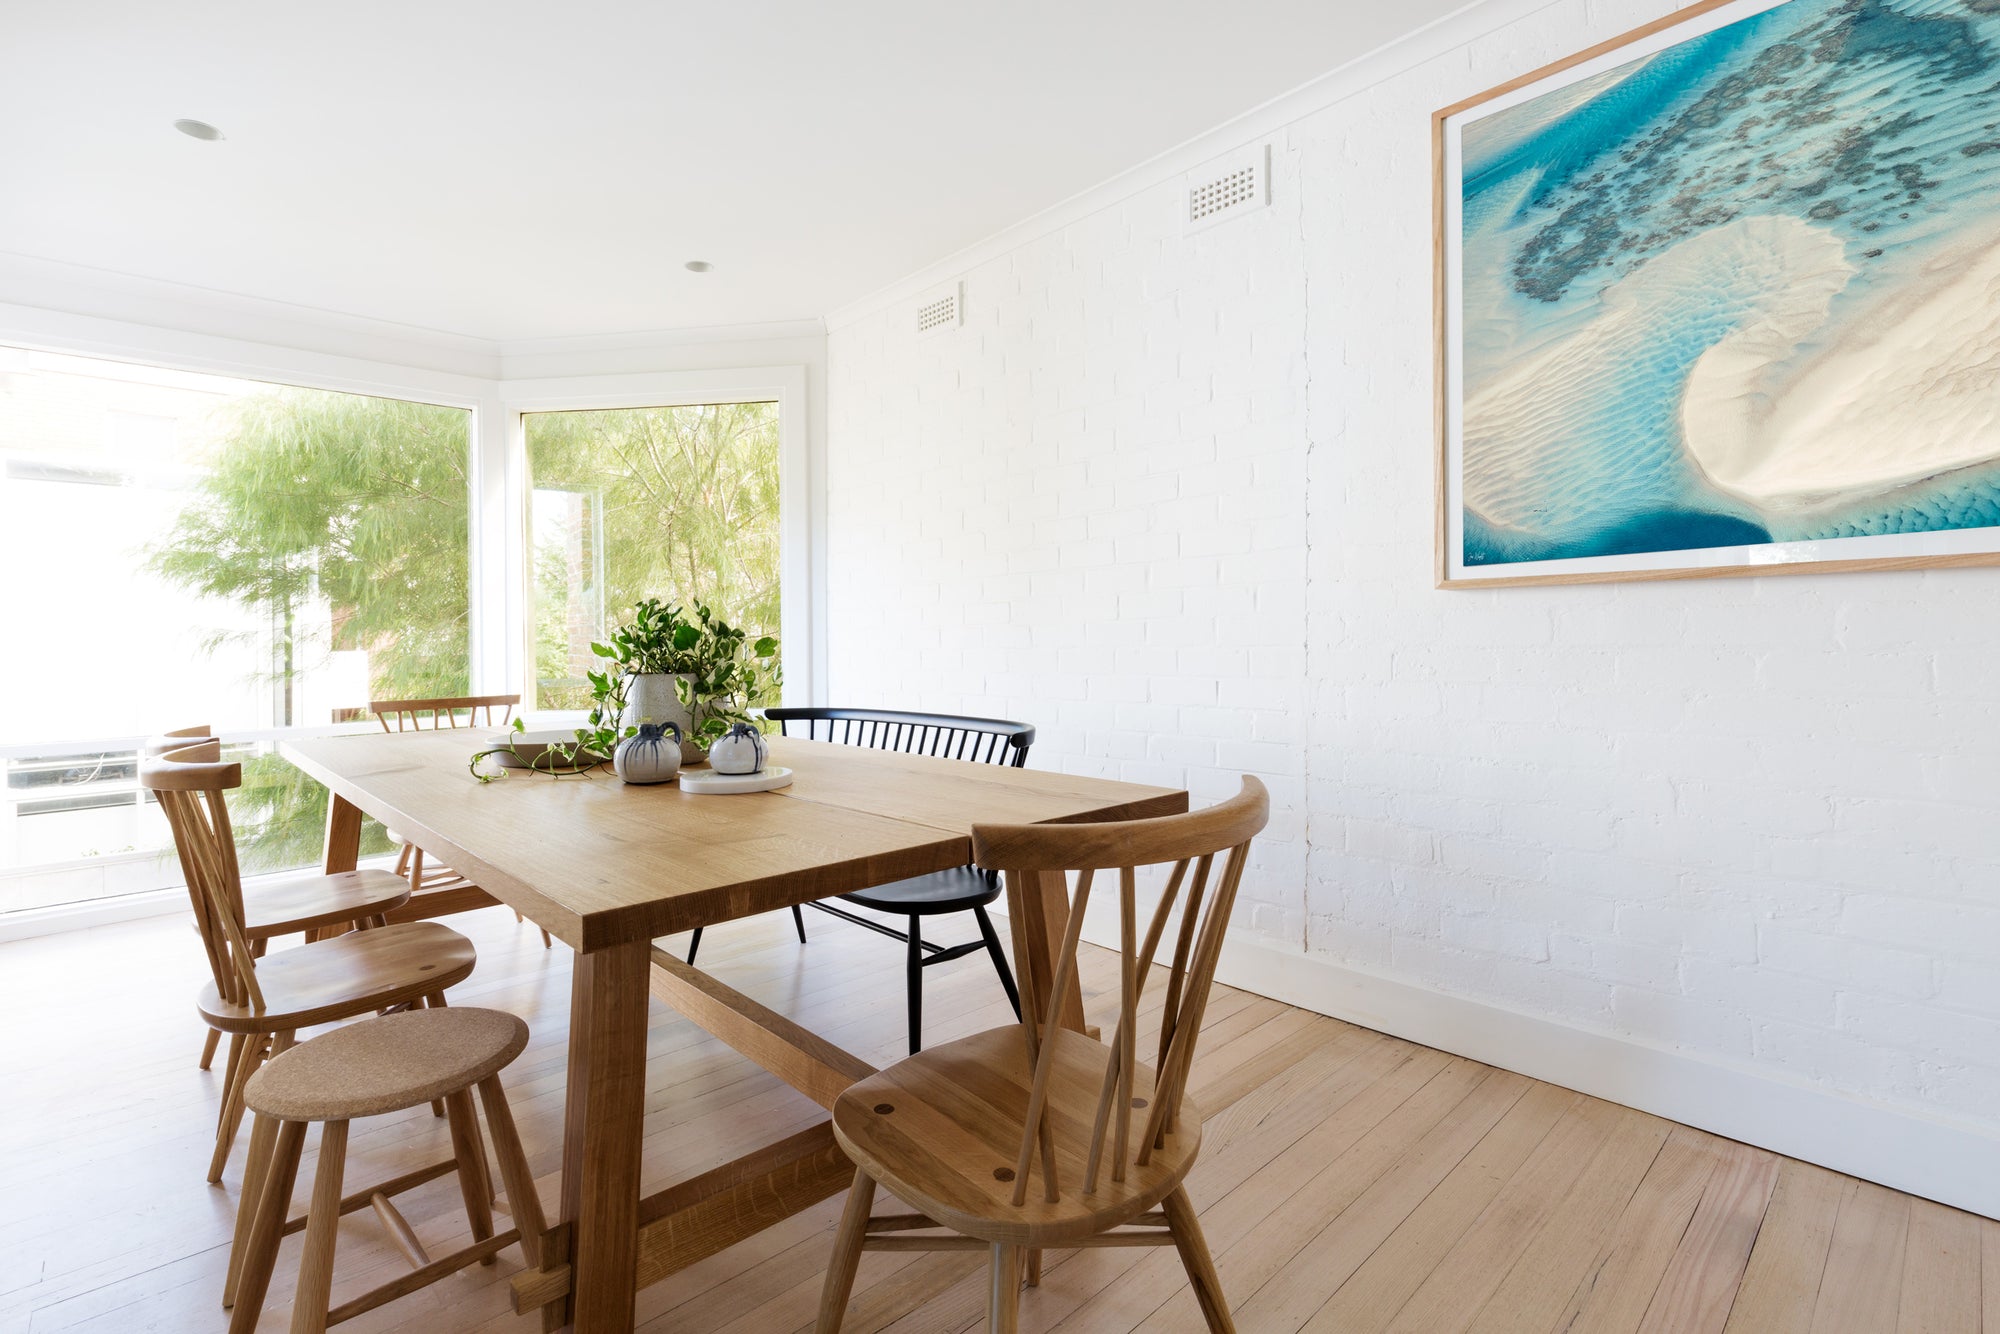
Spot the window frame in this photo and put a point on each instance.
(783, 385)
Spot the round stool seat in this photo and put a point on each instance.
(387, 1064)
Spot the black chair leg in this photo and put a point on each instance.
(799, 921)
(916, 981)
(999, 959)
(694, 945)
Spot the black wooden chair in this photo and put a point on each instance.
(962, 889)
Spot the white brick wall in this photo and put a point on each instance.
(1170, 499)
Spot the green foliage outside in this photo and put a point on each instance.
(359, 502)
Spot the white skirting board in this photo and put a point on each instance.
(1947, 1161)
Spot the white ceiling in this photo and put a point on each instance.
(533, 168)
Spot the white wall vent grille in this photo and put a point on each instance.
(940, 310)
(1226, 188)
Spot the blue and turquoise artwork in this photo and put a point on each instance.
(1739, 291)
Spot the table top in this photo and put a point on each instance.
(601, 863)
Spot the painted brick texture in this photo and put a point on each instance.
(1170, 499)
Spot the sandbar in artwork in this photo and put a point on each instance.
(1725, 297)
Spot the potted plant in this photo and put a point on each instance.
(667, 665)
(642, 658)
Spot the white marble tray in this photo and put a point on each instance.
(708, 782)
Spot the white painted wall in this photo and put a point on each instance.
(1171, 499)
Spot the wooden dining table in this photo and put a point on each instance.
(609, 868)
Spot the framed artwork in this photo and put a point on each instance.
(1722, 296)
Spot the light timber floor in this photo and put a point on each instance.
(1348, 1181)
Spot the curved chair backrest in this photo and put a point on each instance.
(1026, 853)
(186, 772)
(414, 715)
(984, 740)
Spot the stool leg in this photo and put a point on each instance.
(914, 967)
(471, 1155)
(847, 1245)
(999, 959)
(522, 1199)
(322, 1231)
(799, 921)
(268, 1212)
(693, 946)
(263, 1135)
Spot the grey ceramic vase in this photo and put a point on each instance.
(649, 757)
(740, 750)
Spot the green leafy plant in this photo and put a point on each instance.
(660, 638)
(724, 673)
(732, 675)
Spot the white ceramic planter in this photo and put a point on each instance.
(650, 697)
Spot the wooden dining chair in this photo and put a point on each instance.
(386, 1065)
(258, 999)
(435, 889)
(1022, 1138)
(961, 889)
(298, 905)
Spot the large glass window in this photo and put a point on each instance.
(183, 548)
(679, 503)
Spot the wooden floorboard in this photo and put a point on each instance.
(1348, 1181)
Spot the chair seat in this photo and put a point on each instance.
(387, 1064)
(344, 977)
(320, 900)
(957, 890)
(940, 1131)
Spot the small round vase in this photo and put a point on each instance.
(740, 750)
(649, 757)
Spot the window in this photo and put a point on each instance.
(186, 548)
(679, 503)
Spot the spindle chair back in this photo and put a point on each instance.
(981, 740)
(190, 782)
(413, 715)
(1204, 898)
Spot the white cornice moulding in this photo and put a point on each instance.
(243, 357)
(1437, 38)
(74, 289)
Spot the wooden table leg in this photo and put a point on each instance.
(343, 836)
(602, 1133)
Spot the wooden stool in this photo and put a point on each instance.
(368, 1069)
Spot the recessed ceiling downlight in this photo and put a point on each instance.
(198, 129)
(697, 266)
